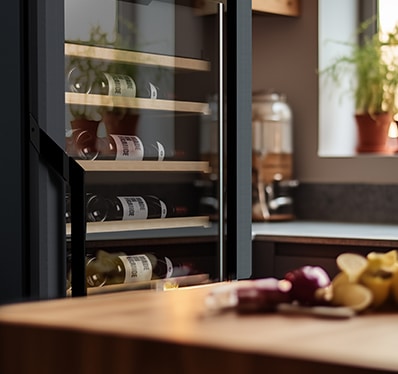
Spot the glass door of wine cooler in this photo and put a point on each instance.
(146, 110)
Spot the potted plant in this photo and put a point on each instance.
(374, 85)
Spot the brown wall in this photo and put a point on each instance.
(285, 57)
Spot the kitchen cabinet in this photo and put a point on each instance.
(281, 247)
(149, 40)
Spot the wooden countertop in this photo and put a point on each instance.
(172, 332)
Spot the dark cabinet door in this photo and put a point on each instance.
(157, 103)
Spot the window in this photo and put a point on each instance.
(388, 19)
(337, 131)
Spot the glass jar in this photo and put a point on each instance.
(272, 135)
(272, 157)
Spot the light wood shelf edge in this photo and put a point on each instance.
(152, 166)
(157, 284)
(282, 7)
(135, 102)
(148, 224)
(132, 57)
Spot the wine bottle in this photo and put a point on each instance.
(96, 208)
(81, 144)
(113, 85)
(100, 208)
(148, 90)
(110, 268)
(126, 147)
(140, 207)
(78, 81)
(101, 83)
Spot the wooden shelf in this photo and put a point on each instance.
(158, 284)
(136, 103)
(277, 7)
(282, 7)
(147, 224)
(132, 57)
(158, 105)
(152, 166)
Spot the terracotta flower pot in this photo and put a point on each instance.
(120, 122)
(85, 124)
(373, 132)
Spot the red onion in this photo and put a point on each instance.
(308, 282)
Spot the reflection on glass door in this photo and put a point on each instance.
(142, 120)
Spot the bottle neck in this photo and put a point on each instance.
(178, 211)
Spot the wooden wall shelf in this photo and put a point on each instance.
(278, 7)
(282, 7)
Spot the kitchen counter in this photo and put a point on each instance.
(172, 332)
(279, 247)
(299, 231)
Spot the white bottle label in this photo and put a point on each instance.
(121, 85)
(153, 91)
(169, 265)
(134, 207)
(161, 152)
(128, 147)
(138, 268)
(163, 209)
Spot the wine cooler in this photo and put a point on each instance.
(139, 151)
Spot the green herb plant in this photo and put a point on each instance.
(374, 69)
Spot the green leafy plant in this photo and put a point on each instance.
(374, 71)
